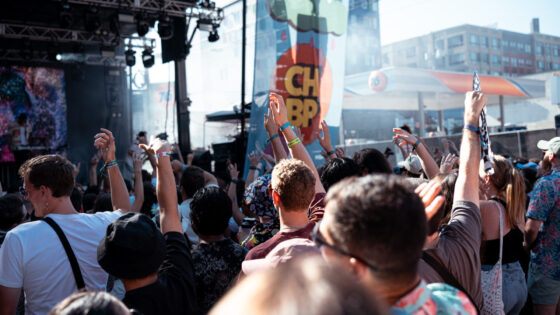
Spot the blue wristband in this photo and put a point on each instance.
(284, 126)
(331, 152)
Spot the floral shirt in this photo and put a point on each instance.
(545, 206)
(434, 298)
(216, 265)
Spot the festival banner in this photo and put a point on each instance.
(299, 54)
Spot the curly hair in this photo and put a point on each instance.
(295, 184)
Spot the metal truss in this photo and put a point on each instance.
(43, 57)
(168, 7)
(41, 33)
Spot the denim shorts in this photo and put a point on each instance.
(543, 290)
(514, 288)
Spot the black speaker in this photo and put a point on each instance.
(557, 121)
(175, 48)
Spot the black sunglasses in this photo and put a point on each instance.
(320, 241)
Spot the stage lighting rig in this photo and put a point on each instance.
(130, 57)
(65, 16)
(165, 28)
(148, 58)
(142, 25)
(93, 24)
(213, 36)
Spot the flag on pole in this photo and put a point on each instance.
(486, 152)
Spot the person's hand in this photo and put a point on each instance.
(340, 152)
(474, 104)
(428, 192)
(137, 161)
(156, 146)
(402, 134)
(232, 168)
(254, 158)
(447, 163)
(105, 142)
(278, 109)
(325, 140)
(269, 124)
(190, 157)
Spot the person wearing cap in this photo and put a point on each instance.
(155, 267)
(541, 235)
(32, 256)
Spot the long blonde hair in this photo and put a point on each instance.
(509, 181)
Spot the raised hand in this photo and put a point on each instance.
(447, 163)
(474, 104)
(254, 158)
(278, 109)
(232, 168)
(325, 140)
(269, 124)
(156, 146)
(105, 142)
(428, 192)
(137, 161)
(401, 134)
(190, 158)
(340, 152)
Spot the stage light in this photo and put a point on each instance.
(130, 57)
(58, 57)
(205, 25)
(148, 57)
(165, 28)
(142, 26)
(213, 36)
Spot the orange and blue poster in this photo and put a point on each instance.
(300, 53)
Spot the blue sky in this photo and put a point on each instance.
(402, 19)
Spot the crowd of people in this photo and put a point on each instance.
(437, 234)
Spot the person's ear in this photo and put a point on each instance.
(275, 197)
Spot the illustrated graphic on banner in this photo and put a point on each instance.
(299, 54)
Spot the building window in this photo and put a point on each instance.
(495, 60)
(474, 57)
(538, 49)
(528, 48)
(440, 44)
(386, 59)
(506, 60)
(455, 41)
(540, 65)
(556, 66)
(411, 52)
(549, 66)
(529, 62)
(514, 62)
(484, 58)
(484, 41)
(457, 59)
(520, 46)
(555, 50)
(521, 62)
(547, 50)
(505, 43)
(495, 43)
(473, 40)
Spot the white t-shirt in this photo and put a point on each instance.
(185, 216)
(33, 258)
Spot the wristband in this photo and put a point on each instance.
(235, 181)
(162, 154)
(416, 145)
(284, 126)
(472, 128)
(253, 168)
(102, 170)
(183, 167)
(271, 138)
(331, 152)
(293, 142)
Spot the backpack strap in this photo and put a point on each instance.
(446, 275)
(69, 252)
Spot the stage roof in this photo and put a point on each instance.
(399, 89)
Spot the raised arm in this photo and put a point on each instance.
(166, 190)
(137, 161)
(297, 150)
(238, 216)
(325, 141)
(93, 169)
(274, 134)
(428, 163)
(254, 159)
(119, 194)
(466, 187)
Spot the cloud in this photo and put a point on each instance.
(321, 16)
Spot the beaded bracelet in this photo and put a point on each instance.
(331, 152)
(293, 142)
(162, 154)
(271, 138)
(284, 126)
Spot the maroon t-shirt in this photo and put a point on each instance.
(316, 211)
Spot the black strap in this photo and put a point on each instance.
(500, 201)
(69, 252)
(446, 275)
